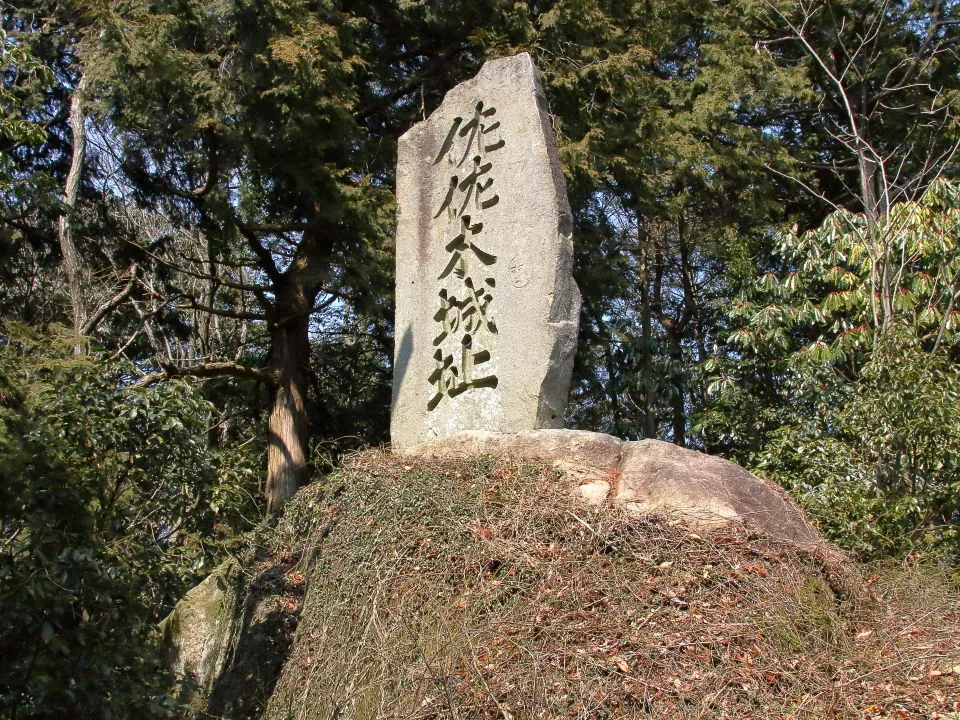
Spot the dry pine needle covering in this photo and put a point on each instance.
(482, 590)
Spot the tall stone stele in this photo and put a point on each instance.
(487, 309)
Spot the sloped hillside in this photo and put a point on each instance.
(481, 589)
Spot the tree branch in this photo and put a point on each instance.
(414, 82)
(257, 290)
(213, 169)
(235, 314)
(264, 257)
(112, 303)
(205, 371)
(278, 228)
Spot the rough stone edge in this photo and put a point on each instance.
(796, 524)
(474, 443)
(563, 319)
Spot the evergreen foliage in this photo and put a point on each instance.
(844, 386)
(203, 192)
(112, 507)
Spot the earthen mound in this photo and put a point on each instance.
(485, 587)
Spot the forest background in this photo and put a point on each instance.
(196, 273)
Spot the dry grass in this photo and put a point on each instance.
(479, 590)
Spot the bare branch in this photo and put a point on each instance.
(257, 289)
(222, 312)
(816, 193)
(112, 303)
(279, 228)
(226, 282)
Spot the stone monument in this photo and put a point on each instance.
(487, 309)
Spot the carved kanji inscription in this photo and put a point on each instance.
(487, 308)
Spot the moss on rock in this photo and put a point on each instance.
(197, 633)
(230, 636)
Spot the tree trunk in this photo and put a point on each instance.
(679, 396)
(288, 429)
(646, 324)
(68, 248)
(868, 187)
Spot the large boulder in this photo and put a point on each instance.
(228, 638)
(645, 477)
(198, 632)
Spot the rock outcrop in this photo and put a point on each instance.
(229, 637)
(199, 630)
(647, 476)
